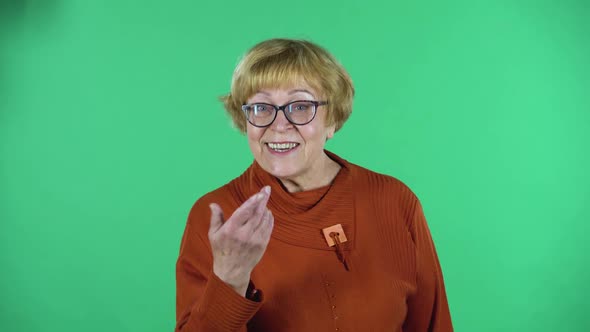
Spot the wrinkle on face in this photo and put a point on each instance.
(307, 166)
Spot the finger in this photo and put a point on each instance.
(265, 229)
(243, 213)
(216, 218)
(264, 219)
(260, 209)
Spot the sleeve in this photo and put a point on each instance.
(204, 303)
(428, 309)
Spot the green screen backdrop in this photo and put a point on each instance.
(110, 129)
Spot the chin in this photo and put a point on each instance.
(280, 170)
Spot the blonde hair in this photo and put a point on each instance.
(282, 63)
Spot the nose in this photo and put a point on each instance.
(281, 123)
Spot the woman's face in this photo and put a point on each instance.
(304, 157)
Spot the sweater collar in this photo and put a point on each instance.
(300, 217)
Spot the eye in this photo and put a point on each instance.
(301, 106)
(261, 109)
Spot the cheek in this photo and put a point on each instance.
(314, 136)
(254, 134)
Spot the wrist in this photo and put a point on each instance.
(237, 283)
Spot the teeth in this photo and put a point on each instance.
(282, 146)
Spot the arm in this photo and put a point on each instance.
(203, 302)
(428, 310)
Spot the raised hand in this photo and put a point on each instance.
(239, 243)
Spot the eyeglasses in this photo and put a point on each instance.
(299, 112)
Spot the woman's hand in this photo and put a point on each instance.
(239, 243)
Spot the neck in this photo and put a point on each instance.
(321, 174)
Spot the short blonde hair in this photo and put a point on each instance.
(282, 63)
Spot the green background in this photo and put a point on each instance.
(110, 129)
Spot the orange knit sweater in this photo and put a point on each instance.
(392, 280)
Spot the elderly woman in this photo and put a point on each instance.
(304, 240)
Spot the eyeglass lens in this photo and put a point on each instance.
(299, 112)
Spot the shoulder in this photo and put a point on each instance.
(368, 182)
(384, 195)
(380, 185)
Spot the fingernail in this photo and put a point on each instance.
(258, 196)
(267, 190)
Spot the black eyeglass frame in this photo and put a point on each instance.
(277, 108)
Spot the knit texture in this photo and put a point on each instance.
(393, 282)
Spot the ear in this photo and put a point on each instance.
(330, 130)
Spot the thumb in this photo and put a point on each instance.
(216, 218)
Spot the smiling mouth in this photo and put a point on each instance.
(282, 147)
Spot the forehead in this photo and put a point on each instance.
(286, 92)
(276, 80)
